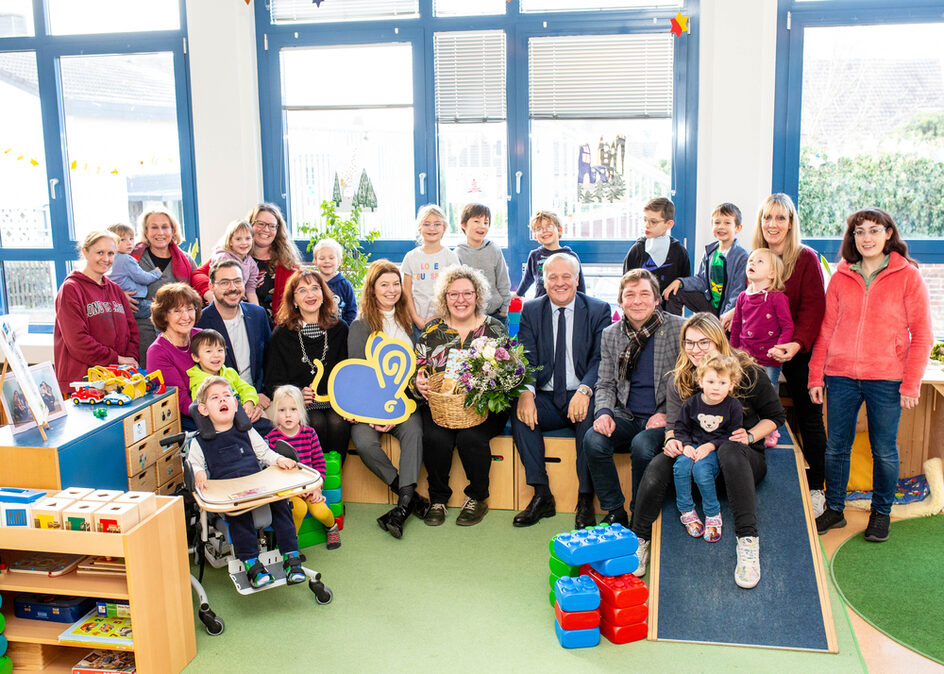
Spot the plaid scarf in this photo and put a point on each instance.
(637, 341)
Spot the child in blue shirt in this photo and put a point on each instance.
(126, 271)
(658, 251)
(721, 275)
(547, 230)
(327, 255)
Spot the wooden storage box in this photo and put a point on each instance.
(116, 518)
(164, 412)
(169, 467)
(103, 495)
(140, 455)
(80, 516)
(146, 480)
(159, 435)
(145, 501)
(138, 426)
(47, 513)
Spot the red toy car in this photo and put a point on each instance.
(87, 394)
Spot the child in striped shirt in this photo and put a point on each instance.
(291, 426)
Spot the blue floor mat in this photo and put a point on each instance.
(698, 600)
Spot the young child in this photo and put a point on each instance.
(422, 265)
(235, 453)
(720, 278)
(481, 254)
(547, 230)
(291, 425)
(705, 420)
(126, 271)
(327, 255)
(657, 251)
(208, 350)
(236, 244)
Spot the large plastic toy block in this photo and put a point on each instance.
(16, 495)
(314, 537)
(577, 594)
(332, 482)
(5, 665)
(628, 615)
(591, 545)
(551, 598)
(616, 566)
(625, 633)
(559, 568)
(576, 620)
(308, 524)
(332, 463)
(332, 495)
(577, 638)
(552, 579)
(619, 591)
(337, 509)
(339, 520)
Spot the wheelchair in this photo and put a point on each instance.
(208, 533)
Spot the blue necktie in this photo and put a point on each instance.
(560, 362)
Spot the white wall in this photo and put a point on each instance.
(735, 110)
(225, 102)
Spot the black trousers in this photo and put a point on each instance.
(245, 540)
(693, 299)
(809, 417)
(334, 433)
(742, 469)
(474, 452)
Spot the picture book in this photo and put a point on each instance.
(101, 566)
(105, 662)
(94, 629)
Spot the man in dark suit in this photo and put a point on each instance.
(244, 326)
(560, 332)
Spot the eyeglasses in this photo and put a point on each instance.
(652, 222)
(180, 311)
(702, 344)
(550, 226)
(871, 231)
(466, 295)
(271, 226)
(434, 225)
(228, 282)
(307, 290)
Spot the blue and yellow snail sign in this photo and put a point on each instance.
(373, 389)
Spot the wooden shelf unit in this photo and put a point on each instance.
(157, 586)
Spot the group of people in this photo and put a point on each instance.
(688, 402)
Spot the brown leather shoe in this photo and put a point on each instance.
(472, 512)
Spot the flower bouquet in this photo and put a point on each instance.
(494, 373)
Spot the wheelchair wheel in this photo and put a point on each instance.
(214, 625)
(323, 595)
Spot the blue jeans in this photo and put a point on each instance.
(773, 374)
(704, 473)
(599, 449)
(844, 397)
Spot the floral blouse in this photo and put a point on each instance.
(437, 338)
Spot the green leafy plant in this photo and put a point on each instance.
(347, 232)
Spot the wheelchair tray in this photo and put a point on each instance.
(268, 485)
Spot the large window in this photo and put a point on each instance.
(585, 108)
(98, 130)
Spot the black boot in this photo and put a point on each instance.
(397, 517)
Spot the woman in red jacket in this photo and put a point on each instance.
(94, 321)
(873, 348)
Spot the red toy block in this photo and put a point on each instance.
(624, 634)
(577, 620)
(339, 520)
(629, 615)
(619, 591)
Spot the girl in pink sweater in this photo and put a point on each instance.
(873, 347)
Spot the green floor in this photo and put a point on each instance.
(450, 599)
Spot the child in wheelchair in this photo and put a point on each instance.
(235, 453)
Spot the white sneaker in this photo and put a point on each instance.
(642, 554)
(818, 501)
(747, 571)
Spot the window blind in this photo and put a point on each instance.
(601, 76)
(306, 11)
(470, 76)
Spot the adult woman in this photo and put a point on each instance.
(274, 253)
(308, 332)
(741, 458)
(383, 308)
(158, 249)
(175, 311)
(872, 348)
(21, 413)
(778, 228)
(460, 297)
(94, 320)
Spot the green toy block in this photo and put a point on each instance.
(2, 622)
(5, 665)
(312, 538)
(333, 463)
(337, 509)
(308, 524)
(559, 568)
(331, 482)
(552, 579)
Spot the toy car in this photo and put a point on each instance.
(88, 395)
(116, 398)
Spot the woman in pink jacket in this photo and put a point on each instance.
(872, 348)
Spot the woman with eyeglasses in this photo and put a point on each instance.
(741, 458)
(175, 312)
(459, 301)
(159, 249)
(872, 347)
(94, 320)
(274, 253)
(308, 332)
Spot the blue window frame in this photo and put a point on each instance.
(794, 18)
(50, 51)
(518, 27)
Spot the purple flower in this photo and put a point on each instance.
(519, 371)
(491, 383)
(465, 378)
(501, 354)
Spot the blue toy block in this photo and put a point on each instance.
(594, 545)
(15, 515)
(15, 495)
(332, 495)
(577, 638)
(616, 566)
(578, 593)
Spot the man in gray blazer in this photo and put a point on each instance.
(636, 354)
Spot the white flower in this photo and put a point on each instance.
(489, 352)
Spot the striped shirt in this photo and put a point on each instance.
(306, 445)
